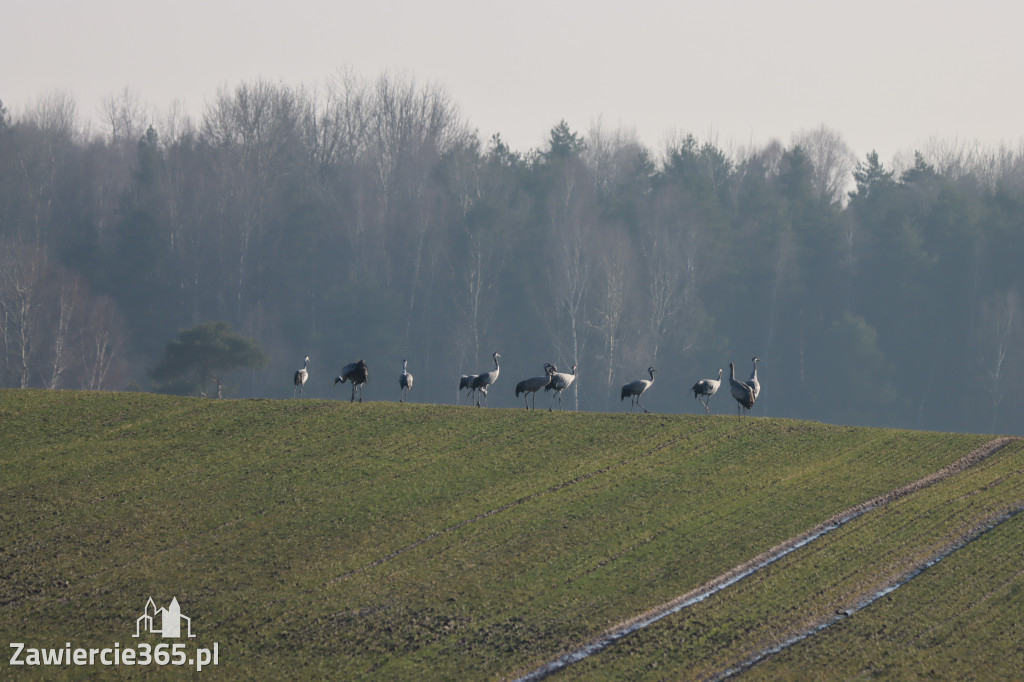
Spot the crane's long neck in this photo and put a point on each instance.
(405, 366)
(651, 372)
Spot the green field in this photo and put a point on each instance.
(316, 539)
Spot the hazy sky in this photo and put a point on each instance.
(887, 74)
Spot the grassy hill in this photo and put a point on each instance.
(379, 540)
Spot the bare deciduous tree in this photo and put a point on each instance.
(832, 159)
(125, 116)
(22, 273)
(101, 345)
(65, 305)
(999, 337)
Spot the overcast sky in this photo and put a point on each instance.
(887, 74)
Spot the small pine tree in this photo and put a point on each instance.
(205, 355)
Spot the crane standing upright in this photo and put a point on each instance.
(742, 392)
(635, 389)
(405, 380)
(752, 381)
(483, 381)
(534, 384)
(705, 388)
(301, 376)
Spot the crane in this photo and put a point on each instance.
(707, 388)
(635, 389)
(356, 372)
(466, 382)
(559, 382)
(485, 380)
(301, 375)
(405, 380)
(742, 392)
(534, 384)
(752, 381)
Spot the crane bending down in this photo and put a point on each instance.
(483, 381)
(742, 392)
(466, 382)
(635, 389)
(405, 380)
(559, 382)
(534, 384)
(356, 372)
(705, 388)
(301, 375)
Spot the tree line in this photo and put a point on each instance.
(367, 219)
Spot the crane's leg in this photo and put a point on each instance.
(646, 411)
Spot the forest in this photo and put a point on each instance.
(365, 218)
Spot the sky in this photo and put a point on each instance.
(888, 75)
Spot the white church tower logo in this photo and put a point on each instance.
(165, 622)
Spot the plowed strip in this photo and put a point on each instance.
(876, 592)
(762, 560)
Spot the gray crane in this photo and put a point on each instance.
(483, 381)
(466, 382)
(301, 375)
(559, 382)
(635, 389)
(534, 384)
(356, 372)
(705, 388)
(752, 381)
(741, 391)
(405, 380)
